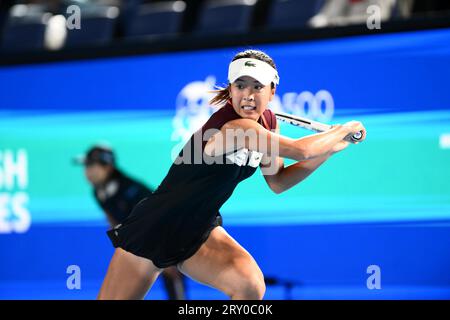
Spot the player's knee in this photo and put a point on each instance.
(251, 283)
(253, 288)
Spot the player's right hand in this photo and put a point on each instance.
(354, 127)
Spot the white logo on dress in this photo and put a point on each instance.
(241, 156)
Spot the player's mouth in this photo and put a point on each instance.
(248, 108)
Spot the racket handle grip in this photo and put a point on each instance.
(356, 137)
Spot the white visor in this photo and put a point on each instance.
(257, 69)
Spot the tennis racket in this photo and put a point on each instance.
(311, 125)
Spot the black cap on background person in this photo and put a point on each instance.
(98, 154)
(99, 163)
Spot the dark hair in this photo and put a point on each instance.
(222, 94)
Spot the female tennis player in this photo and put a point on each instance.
(179, 223)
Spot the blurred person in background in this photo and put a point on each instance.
(117, 194)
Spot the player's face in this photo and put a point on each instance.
(97, 174)
(250, 98)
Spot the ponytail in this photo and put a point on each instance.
(221, 97)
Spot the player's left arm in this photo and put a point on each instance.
(280, 178)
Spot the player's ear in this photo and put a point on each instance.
(272, 93)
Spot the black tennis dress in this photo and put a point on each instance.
(171, 224)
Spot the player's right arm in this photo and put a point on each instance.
(247, 133)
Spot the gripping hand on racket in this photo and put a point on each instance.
(353, 127)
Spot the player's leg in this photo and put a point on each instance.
(224, 264)
(128, 277)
